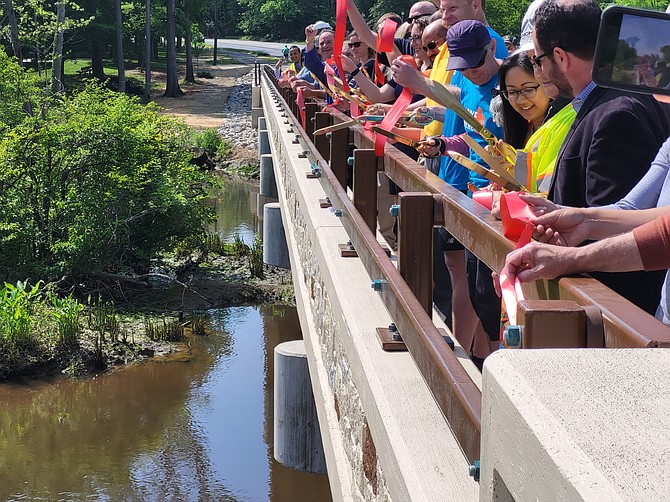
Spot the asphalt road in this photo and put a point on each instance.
(272, 48)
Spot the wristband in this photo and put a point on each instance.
(355, 72)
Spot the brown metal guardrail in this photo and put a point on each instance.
(428, 201)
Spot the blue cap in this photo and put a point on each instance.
(466, 41)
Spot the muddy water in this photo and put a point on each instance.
(195, 428)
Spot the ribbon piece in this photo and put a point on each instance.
(512, 293)
(514, 214)
(484, 198)
(384, 43)
(395, 112)
(301, 105)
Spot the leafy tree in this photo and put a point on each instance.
(505, 16)
(95, 182)
(172, 89)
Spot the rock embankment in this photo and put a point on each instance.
(237, 126)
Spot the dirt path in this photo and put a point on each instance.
(202, 104)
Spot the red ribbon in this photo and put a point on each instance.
(484, 197)
(395, 112)
(512, 293)
(384, 44)
(514, 214)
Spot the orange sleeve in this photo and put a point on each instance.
(653, 242)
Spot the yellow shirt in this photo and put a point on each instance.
(440, 74)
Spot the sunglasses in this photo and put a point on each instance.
(431, 46)
(537, 60)
(355, 44)
(410, 20)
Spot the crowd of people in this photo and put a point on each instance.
(600, 157)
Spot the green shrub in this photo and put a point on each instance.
(95, 181)
(212, 142)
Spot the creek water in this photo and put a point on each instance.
(193, 426)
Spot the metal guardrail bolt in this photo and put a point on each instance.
(394, 210)
(351, 245)
(395, 334)
(512, 336)
(338, 213)
(329, 135)
(316, 170)
(350, 161)
(377, 284)
(313, 119)
(474, 470)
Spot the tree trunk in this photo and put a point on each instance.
(216, 31)
(172, 89)
(120, 62)
(57, 64)
(14, 30)
(96, 54)
(190, 77)
(147, 57)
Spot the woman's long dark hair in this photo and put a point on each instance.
(514, 125)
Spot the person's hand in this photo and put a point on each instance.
(407, 75)
(310, 33)
(377, 109)
(539, 205)
(430, 147)
(565, 227)
(348, 64)
(539, 261)
(495, 206)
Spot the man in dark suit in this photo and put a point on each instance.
(614, 137)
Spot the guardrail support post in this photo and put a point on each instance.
(554, 324)
(322, 119)
(310, 110)
(415, 245)
(339, 151)
(365, 186)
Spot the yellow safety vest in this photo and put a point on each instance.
(535, 163)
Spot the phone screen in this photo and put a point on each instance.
(633, 50)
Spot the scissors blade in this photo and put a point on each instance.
(482, 171)
(349, 123)
(396, 137)
(491, 160)
(450, 101)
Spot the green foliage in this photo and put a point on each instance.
(164, 330)
(212, 142)
(35, 326)
(256, 265)
(505, 16)
(95, 181)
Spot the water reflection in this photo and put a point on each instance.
(235, 207)
(195, 429)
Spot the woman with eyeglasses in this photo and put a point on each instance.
(525, 106)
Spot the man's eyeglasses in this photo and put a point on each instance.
(431, 46)
(410, 20)
(526, 92)
(537, 60)
(355, 44)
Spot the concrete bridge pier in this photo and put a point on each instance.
(263, 138)
(275, 249)
(297, 437)
(256, 106)
(268, 186)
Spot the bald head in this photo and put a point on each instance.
(434, 31)
(422, 9)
